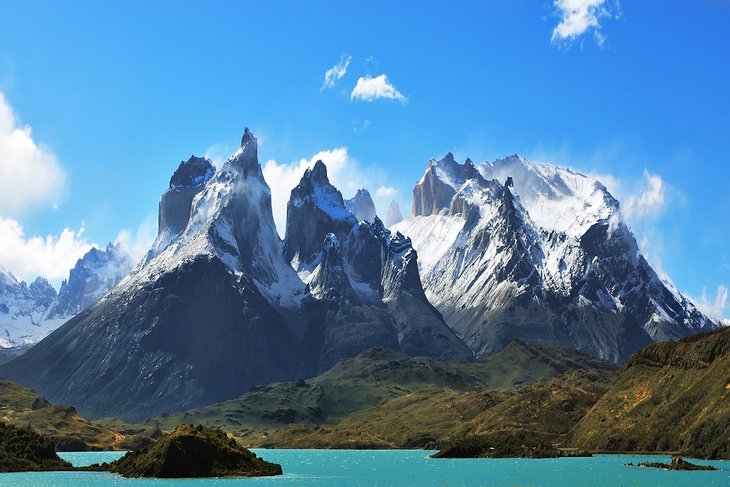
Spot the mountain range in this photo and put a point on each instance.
(30, 312)
(515, 249)
(504, 250)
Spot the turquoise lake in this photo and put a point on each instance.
(352, 468)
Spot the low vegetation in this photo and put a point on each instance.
(24, 408)
(384, 399)
(503, 444)
(192, 451)
(22, 449)
(670, 397)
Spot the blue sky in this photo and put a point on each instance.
(117, 96)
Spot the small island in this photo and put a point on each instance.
(677, 463)
(189, 452)
(504, 444)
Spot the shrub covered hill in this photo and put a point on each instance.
(193, 451)
(23, 450)
(672, 396)
(63, 426)
(385, 399)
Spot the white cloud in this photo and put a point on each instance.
(30, 175)
(649, 201)
(369, 89)
(360, 126)
(336, 72)
(714, 306)
(645, 199)
(51, 256)
(580, 16)
(385, 191)
(138, 242)
(218, 153)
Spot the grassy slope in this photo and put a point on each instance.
(24, 408)
(431, 417)
(669, 397)
(359, 394)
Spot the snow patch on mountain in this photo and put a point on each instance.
(516, 249)
(433, 236)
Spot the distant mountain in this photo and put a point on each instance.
(394, 215)
(23, 310)
(364, 281)
(515, 249)
(94, 275)
(361, 205)
(669, 397)
(221, 304)
(30, 312)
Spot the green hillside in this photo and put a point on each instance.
(358, 394)
(669, 397)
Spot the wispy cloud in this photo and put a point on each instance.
(360, 126)
(30, 175)
(369, 89)
(715, 306)
(218, 153)
(336, 72)
(49, 256)
(385, 191)
(644, 203)
(578, 17)
(138, 241)
(650, 199)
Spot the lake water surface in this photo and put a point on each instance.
(353, 468)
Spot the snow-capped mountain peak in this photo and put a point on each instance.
(315, 209)
(230, 218)
(245, 159)
(547, 256)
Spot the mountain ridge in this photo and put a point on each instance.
(516, 249)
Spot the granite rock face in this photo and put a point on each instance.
(512, 249)
(176, 203)
(394, 215)
(218, 307)
(365, 287)
(315, 209)
(361, 205)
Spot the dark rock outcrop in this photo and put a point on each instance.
(176, 203)
(504, 444)
(315, 209)
(191, 452)
(677, 463)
